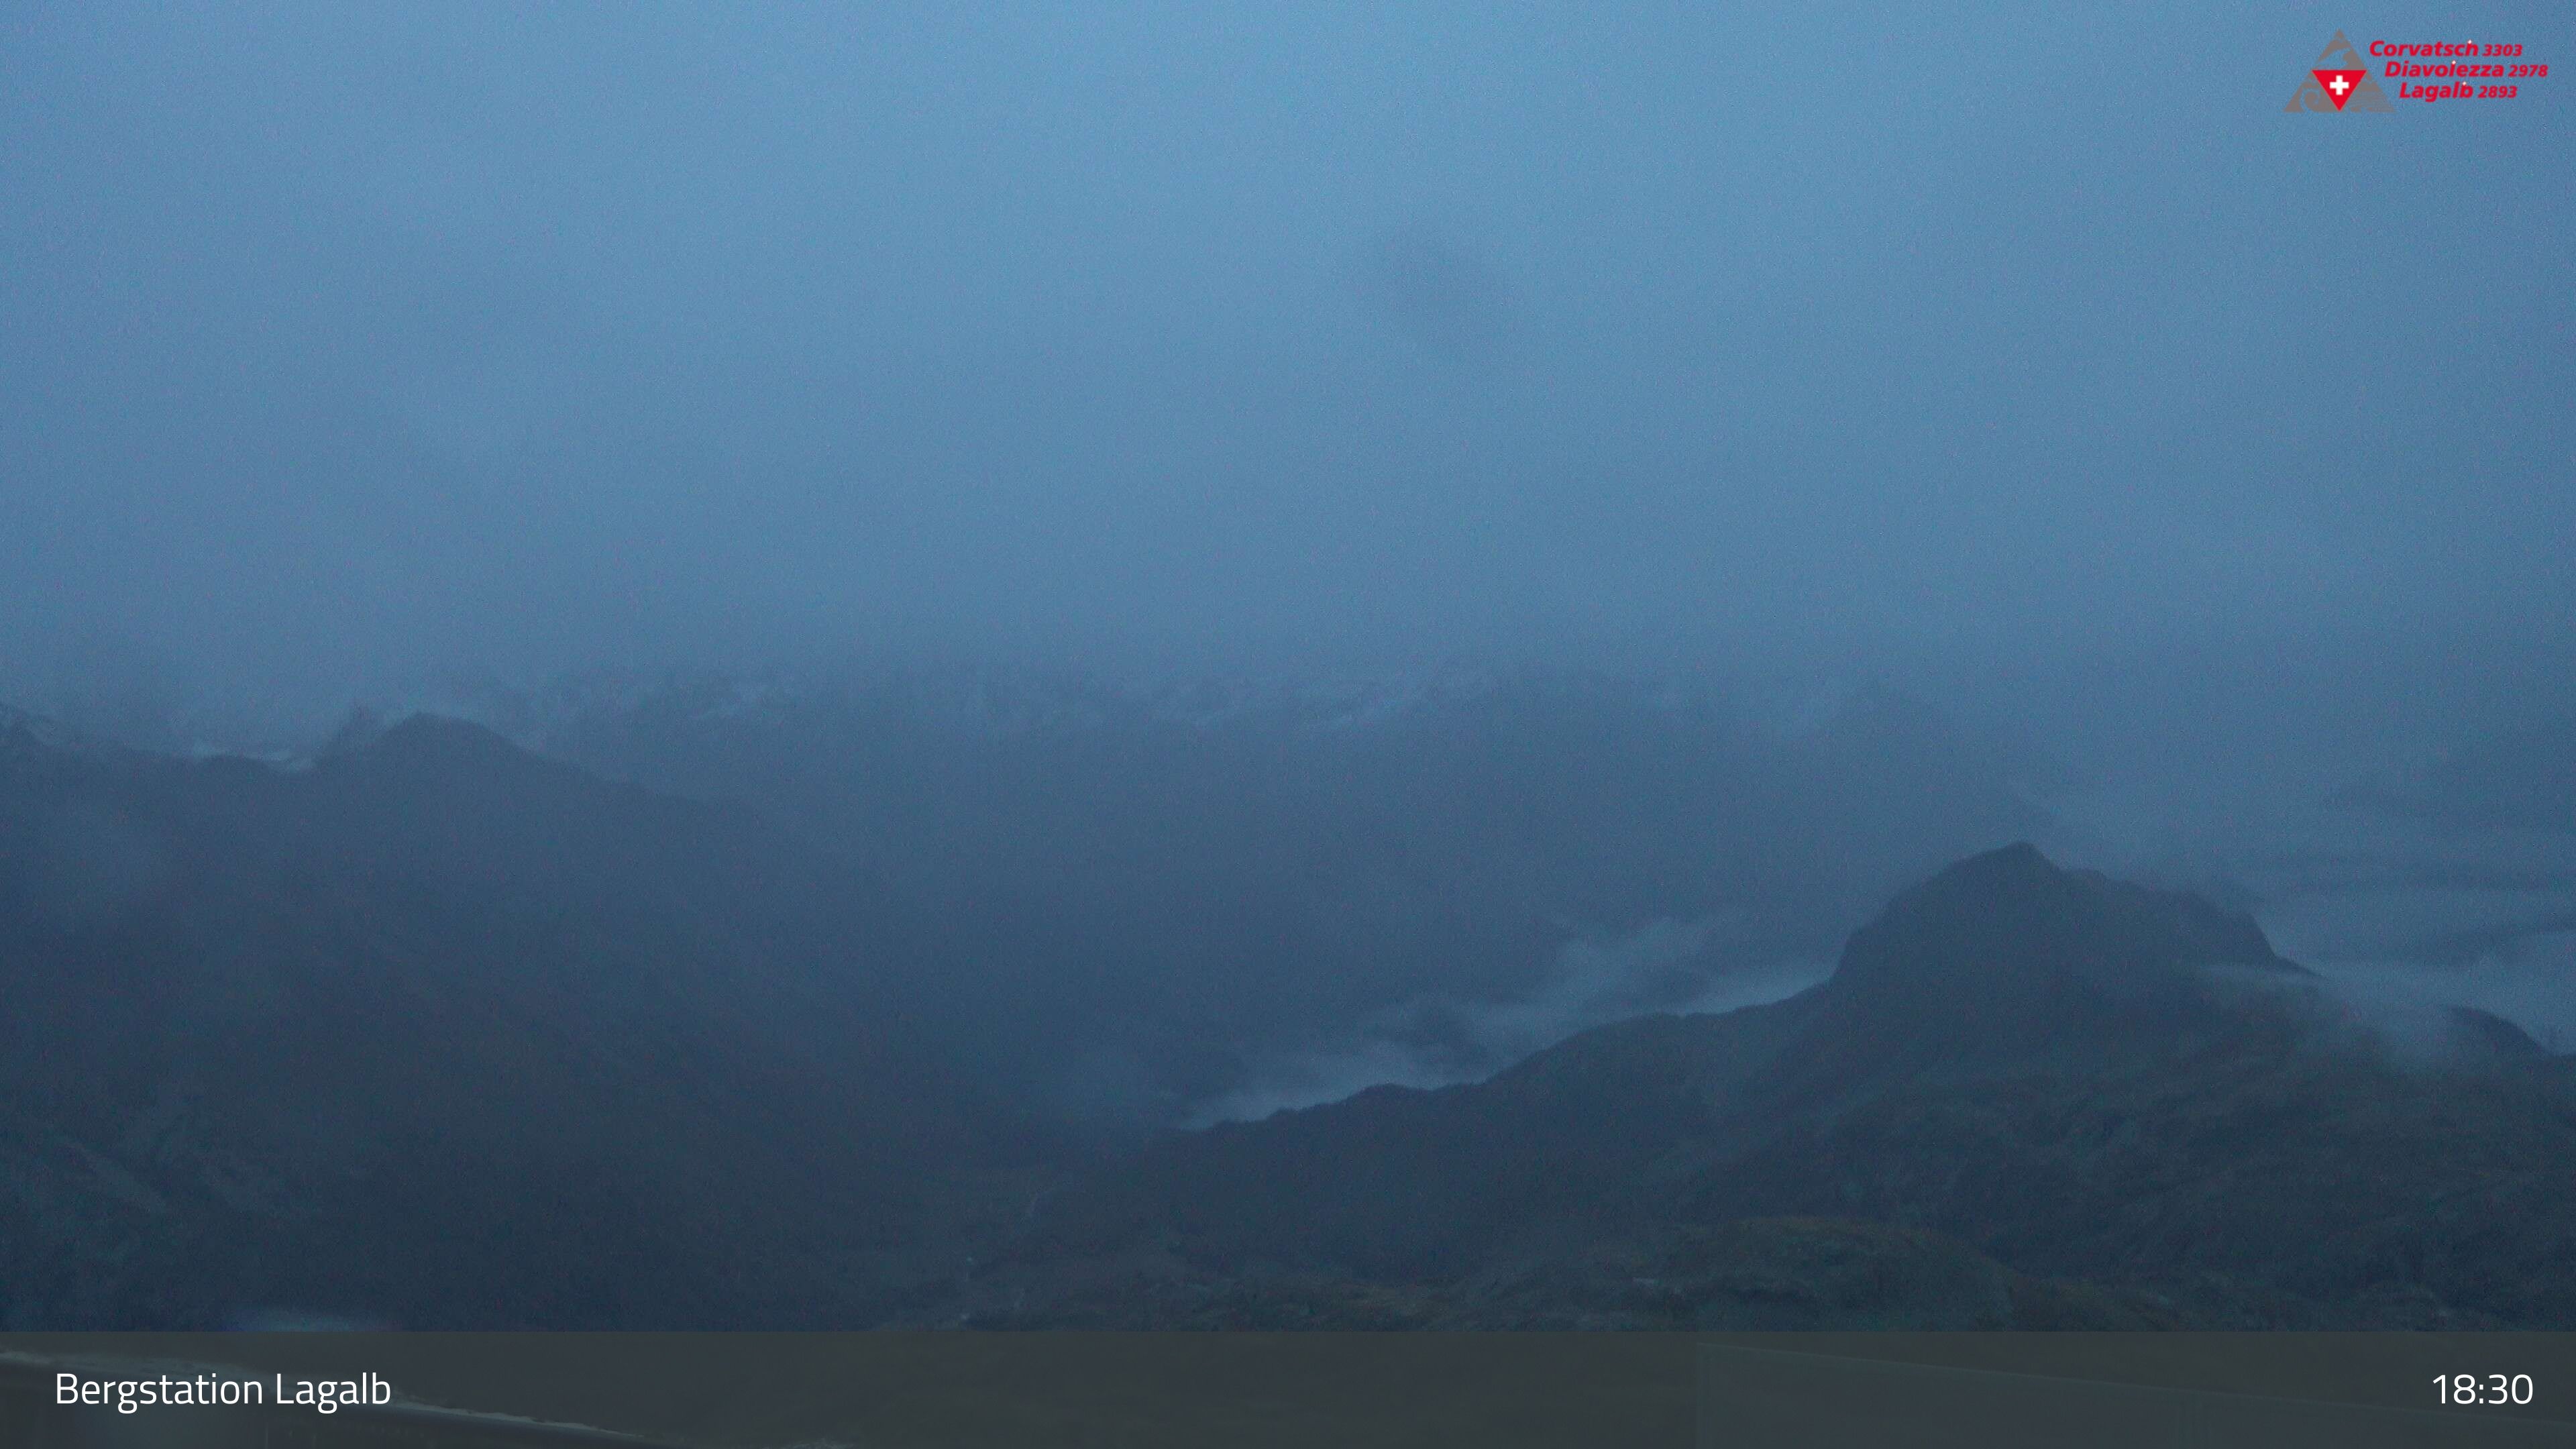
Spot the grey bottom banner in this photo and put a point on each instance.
(2286, 1391)
(1346, 1390)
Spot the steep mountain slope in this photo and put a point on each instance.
(1201, 879)
(2078, 1077)
(436, 1032)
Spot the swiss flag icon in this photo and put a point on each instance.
(2339, 83)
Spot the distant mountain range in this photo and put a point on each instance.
(431, 1030)
(1158, 889)
(2521, 778)
(2027, 1097)
(437, 1033)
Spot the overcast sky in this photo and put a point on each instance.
(347, 345)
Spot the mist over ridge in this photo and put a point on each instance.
(1155, 666)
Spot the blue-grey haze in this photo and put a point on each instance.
(2029, 354)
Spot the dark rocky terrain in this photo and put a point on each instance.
(2028, 1097)
(1159, 892)
(436, 1033)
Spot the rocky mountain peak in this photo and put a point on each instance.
(2013, 919)
(2006, 960)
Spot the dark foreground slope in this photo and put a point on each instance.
(2028, 1097)
(436, 1033)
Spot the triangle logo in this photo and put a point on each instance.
(2340, 80)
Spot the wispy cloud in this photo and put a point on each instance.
(1664, 965)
